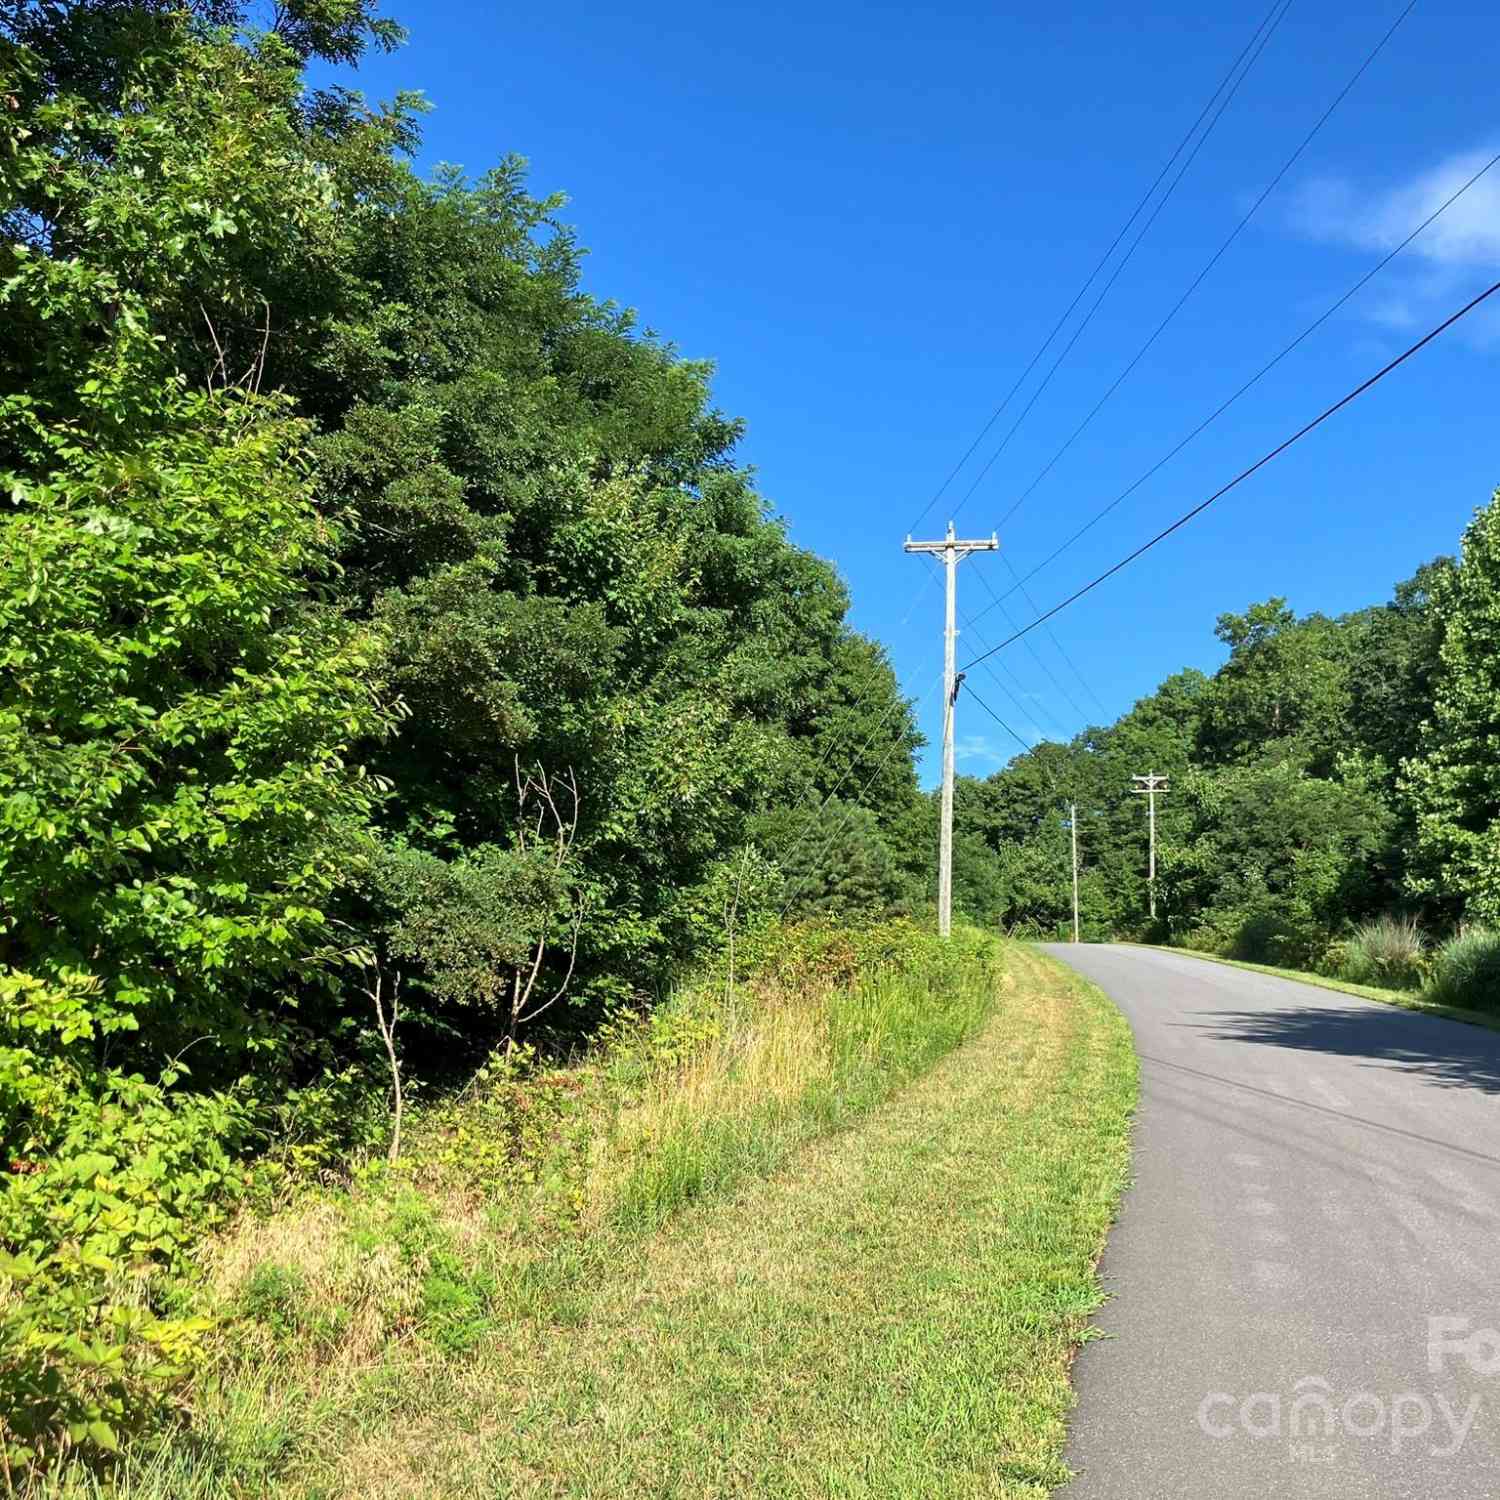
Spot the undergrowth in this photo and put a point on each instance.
(515, 1192)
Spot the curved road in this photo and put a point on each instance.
(1305, 1275)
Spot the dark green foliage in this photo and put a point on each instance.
(1466, 971)
(840, 867)
(1289, 819)
(337, 520)
(1453, 781)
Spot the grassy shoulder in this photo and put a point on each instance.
(1406, 999)
(789, 1273)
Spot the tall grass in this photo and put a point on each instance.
(1388, 951)
(512, 1202)
(1466, 970)
(791, 1061)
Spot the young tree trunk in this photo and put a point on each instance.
(387, 1025)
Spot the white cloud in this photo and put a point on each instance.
(980, 748)
(1466, 235)
(1447, 262)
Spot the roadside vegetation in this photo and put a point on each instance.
(1333, 807)
(453, 845)
(724, 1252)
(1426, 999)
(401, 680)
(1391, 958)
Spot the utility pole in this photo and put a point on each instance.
(1150, 785)
(1073, 826)
(953, 552)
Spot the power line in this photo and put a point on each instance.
(1001, 722)
(1036, 609)
(1213, 260)
(1015, 426)
(1046, 670)
(1103, 261)
(1257, 42)
(1062, 737)
(1039, 762)
(1244, 474)
(1255, 379)
(1259, 39)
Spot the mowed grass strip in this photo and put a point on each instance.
(894, 1314)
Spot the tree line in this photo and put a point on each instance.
(373, 597)
(395, 658)
(1335, 770)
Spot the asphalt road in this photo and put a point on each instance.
(1306, 1271)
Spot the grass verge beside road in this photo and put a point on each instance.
(1404, 998)
(884, 1304)
(894, 1314)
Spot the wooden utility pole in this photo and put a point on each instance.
(1073, 827)
(953, 551)
(1150, 785)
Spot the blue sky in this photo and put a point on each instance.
(871, 215)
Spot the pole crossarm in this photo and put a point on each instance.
(962, 545)
(952, 550)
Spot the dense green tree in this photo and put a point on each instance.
(1313, 716)
(1274, 861)
(178, 714)
(839, 865)
(543, 541)
(1453, 782)
(1283, 694)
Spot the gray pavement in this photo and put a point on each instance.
(1305, 1275)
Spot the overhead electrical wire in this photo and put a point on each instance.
(1245, 474)
(970, 693)
(1040, 763)
(1197, 281)
(1212, 261)
(1254, 380)
(1036, 608)
(1047, 671)
(1257, 43)
(1010, 692)
(1217, 103)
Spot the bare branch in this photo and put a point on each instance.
(541, 948)
(568, 977)
(387, 1025)
(220, 367)
(252, 377)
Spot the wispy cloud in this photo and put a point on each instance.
(1450, 255)
(1467, 234)
(982, 750)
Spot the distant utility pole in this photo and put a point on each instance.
(953, 552)
(1150, 785)
(1073, 825)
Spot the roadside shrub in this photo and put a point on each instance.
(1466, 970)
(110, 1185)
(1266, 934)
(1389, 951)
(1333, 960)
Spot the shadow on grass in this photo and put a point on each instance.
(1443, 1052)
